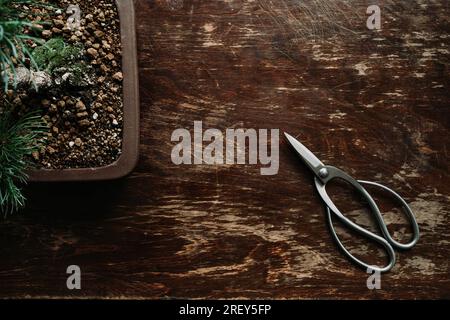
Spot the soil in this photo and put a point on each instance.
(84, 120)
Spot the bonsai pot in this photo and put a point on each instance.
(128, 158)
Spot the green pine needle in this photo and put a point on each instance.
(19, 138)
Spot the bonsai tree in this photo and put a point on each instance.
(20, 135)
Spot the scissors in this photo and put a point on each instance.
(323, 175)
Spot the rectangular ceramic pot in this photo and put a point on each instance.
(130, 139)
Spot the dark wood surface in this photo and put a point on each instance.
(372, 103)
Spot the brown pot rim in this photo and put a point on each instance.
(128, 159)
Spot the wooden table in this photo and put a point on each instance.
(374, 103)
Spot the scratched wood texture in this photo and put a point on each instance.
(375, 104)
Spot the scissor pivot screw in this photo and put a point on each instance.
(323, 173)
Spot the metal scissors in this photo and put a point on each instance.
(323, 175)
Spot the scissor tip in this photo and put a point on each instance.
(289, 137)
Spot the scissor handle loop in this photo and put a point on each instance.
(372, 236)
(409, 213)
(387, 242)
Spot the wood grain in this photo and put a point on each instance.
(374, 104)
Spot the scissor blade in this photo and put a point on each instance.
(311, 160)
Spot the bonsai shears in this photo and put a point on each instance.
(323, 175)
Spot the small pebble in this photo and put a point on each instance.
(118, 76)
(50, 150)
(59, 23)
(78, 142)
(56, 30)
(84, 123)
(105, 45)
(80, 106)
(99, 33)
(53, 108)
(83, 114)
(46, 34)
(92, 52)
(104, 68)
